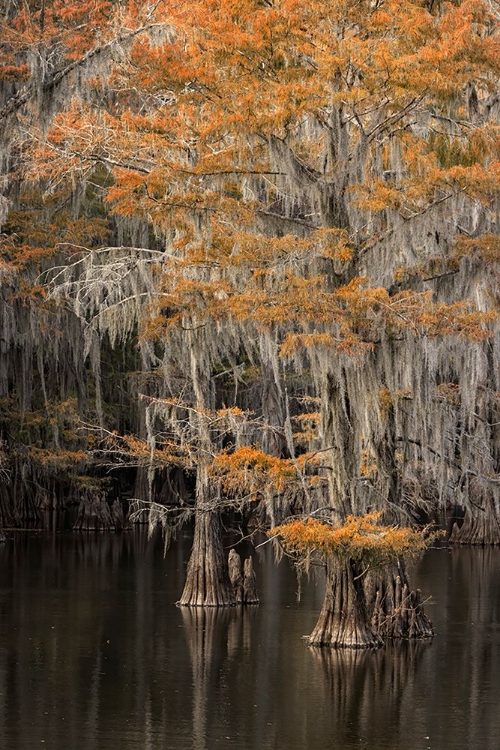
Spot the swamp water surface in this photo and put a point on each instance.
(94, 655)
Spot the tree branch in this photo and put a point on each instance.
(28, 92)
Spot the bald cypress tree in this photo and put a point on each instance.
(303, 193)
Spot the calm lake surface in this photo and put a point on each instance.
(94, 655)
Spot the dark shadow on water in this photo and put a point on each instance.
(215, 637)
(94, 655)
(367, 688)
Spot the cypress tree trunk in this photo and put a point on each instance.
(396, 611)
(249, 583)
(272, 401)
(236, 575)
(344, 621)
(8, 517)
(242, 581)
(207, 581)
(481, 524)
(94, 514)
(339, 432)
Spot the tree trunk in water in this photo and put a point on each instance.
(249, 583)
(141, 484)
(344, 620)
(8, 518)
(480, 526)
(117, 516)
(207, 581)
(94, 514)
(396, 611)
(243, 582)
(236, 575)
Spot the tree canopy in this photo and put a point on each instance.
(360, 538)
(252, 247)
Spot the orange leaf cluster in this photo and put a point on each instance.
(360, 538)
(250, 471)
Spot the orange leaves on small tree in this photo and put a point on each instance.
(250, 471)
(360, 538)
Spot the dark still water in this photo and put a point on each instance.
(94, 655)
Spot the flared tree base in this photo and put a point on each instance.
(481, 527)
(395, 610)
(207, 581)
(95, 514)
(344, 620)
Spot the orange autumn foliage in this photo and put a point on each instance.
(360, 538)
(278, 157)
(249, 470)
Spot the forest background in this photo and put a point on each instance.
(249, 267)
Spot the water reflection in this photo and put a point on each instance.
(466, 656)
(94, 654)
(369, 689)
(216, 639)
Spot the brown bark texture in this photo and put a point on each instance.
(344, 621)
(243, 580)
(236, 575)
(481, 526)
(95, 514)
(396, 611)
(207, 580)
(249, 583)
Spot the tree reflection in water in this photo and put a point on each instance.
(95, 655)
(215, 637)
(369, 688)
